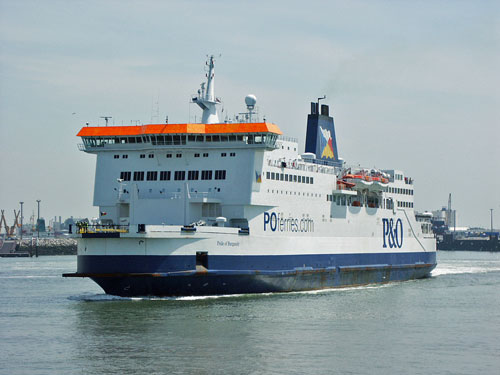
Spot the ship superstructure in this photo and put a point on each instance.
(234, 207)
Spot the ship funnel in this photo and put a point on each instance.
(320, 136)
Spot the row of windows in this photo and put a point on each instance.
(289, 177)
(178, 175)
(286, 192)
(405, 204)
(181, 139)
(168, 156)
(371, 202)
(400, 191)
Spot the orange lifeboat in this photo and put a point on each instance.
(346, 184)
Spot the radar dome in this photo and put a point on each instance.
(250, 101)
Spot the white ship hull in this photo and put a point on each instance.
(166, 261)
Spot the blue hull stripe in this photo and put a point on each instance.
(130, 276)
(262, 263)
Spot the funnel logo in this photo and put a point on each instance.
(326, 144)
(258, 177)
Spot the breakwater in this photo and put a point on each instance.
(47, 246)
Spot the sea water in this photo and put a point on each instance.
(446, 324)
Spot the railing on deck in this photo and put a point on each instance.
(100, 228)
(287, 139)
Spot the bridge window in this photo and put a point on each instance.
(142, 156)
(179, 139)
(205, 155)
(124, 156)
(169, 156)
(116, 156)
(232, 154)
(223, 154)
(196, 155)
(178, 155)
(125, 176)
(151, 156)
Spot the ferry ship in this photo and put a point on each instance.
(232, 207)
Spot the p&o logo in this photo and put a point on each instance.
(392, 233)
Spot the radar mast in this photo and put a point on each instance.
(206, 96)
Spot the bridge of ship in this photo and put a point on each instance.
(196, 135)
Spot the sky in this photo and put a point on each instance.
(413, 85)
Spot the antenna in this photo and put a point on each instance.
(324, 97)
(106, 118)
(155, 110)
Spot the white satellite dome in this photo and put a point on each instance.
(250, 100)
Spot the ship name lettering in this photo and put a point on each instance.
(228, 243)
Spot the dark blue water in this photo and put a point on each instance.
(447, 324)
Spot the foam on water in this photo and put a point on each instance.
(98, 298)
(465, 267)
(30, 277)
(107, 297)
